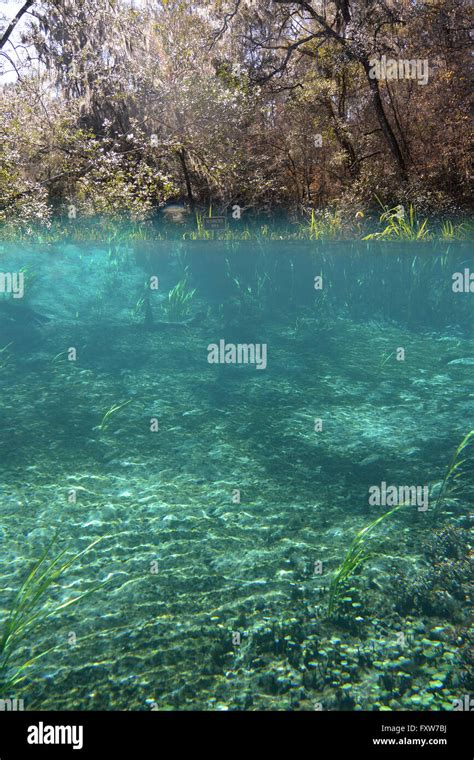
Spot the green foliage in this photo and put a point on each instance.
(357, 555)
(113, 410)
(30, 607)
(399, 226)
(452, 231)
(250, 295)
(326, 225)
(117, 126)
(454, 471)
(201, 232)
(180, 298)
(121, 184)
(120, 230)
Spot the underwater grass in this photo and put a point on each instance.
(179, 300)
(454, 469)
(113, 410)
(251, 297)
(358, 553)
(5, 360)
(386, 357)
(29, 609)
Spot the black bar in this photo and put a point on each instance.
(220, 734)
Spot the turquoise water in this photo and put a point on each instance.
(220, 415)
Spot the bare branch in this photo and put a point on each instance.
(11, 26)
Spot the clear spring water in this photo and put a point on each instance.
(227, 460)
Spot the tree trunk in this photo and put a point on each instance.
(187, 179)
(384, 122)
(352, 164)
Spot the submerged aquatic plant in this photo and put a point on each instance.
(251, 294)
(4, 360)
(113, 409)
(386, 357)
(454, 470)
(139, 308)
(30, 608)
(400, 226)
(251, 297)
(116, 252)
(179, 300)
(30, 277)
(357, 554)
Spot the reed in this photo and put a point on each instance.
(327, 225)
(451, 231)
(400, 226)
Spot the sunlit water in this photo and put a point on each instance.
(227, 460)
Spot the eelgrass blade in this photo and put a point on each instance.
(356, 555)
(453, 467)
(26, 609)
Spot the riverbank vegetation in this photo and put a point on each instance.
(119, 110)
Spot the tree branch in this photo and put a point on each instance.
(11, 26)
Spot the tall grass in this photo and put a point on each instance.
(400, 226)
(451, 231)
(316, 227)
(321, 224)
